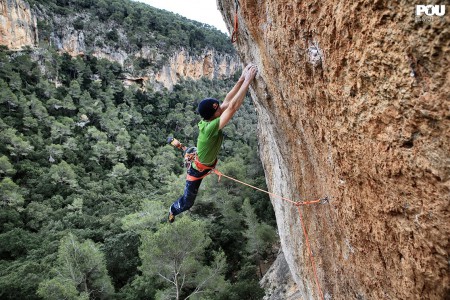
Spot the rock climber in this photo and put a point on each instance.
(215, 117)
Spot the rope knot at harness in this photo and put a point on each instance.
(217, 172)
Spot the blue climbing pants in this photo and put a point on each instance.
(186, 201)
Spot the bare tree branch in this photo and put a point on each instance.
(171, 281)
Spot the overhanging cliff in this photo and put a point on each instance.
(353, 103)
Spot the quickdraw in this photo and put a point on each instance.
(234, 35)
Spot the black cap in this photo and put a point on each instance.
(207, 107)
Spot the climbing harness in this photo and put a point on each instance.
(234, 35)
(190, 156)
(202, 168)
(295, 203)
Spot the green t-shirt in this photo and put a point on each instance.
(209, 140)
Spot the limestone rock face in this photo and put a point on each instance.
(209, 64)
(278, 282)
(181, 65)
(18, 25)
(353, 102)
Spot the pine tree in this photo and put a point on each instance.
(260, 236)
(6, 168)
(80, 273)
(11, 194)
(175, 253)
(63, 174)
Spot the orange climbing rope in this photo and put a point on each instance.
(296, 203)
(311, 256)
(220, 174)
(234, 35)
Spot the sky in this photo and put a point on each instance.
(204, 11)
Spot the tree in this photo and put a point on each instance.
(128, 97)
(15, 142)
(6, 168)
(54, 151)
(260, 236)
(122, 257)
(15, 82)
(7, 96)
(119, 171)
(148, 217)
(61, 129)
(71, 144)
(110, 122)
(45, 89)
(19, 147)
(90, 106)
(66, 103)
(10, 194)
(175, 253)
(37, 108)
(19, 279)
(38, 214)
(55, 103)
(105, 150)
(76, 206)
(63, 174)
(75, 90)
(60, 288)
(80, 272)
(95, 134)
(78, 111)
(142, 149)
(165, 163)
(30, 123)
(123, 138)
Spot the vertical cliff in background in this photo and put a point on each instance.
(210, 64)
(18, 26)
(18, 29)
(353, 103)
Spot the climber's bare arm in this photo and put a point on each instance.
(238, 98)
(235, 89)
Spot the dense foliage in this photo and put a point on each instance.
(86, 180)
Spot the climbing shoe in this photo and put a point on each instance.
(171, 217)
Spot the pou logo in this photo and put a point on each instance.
(430, 10)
